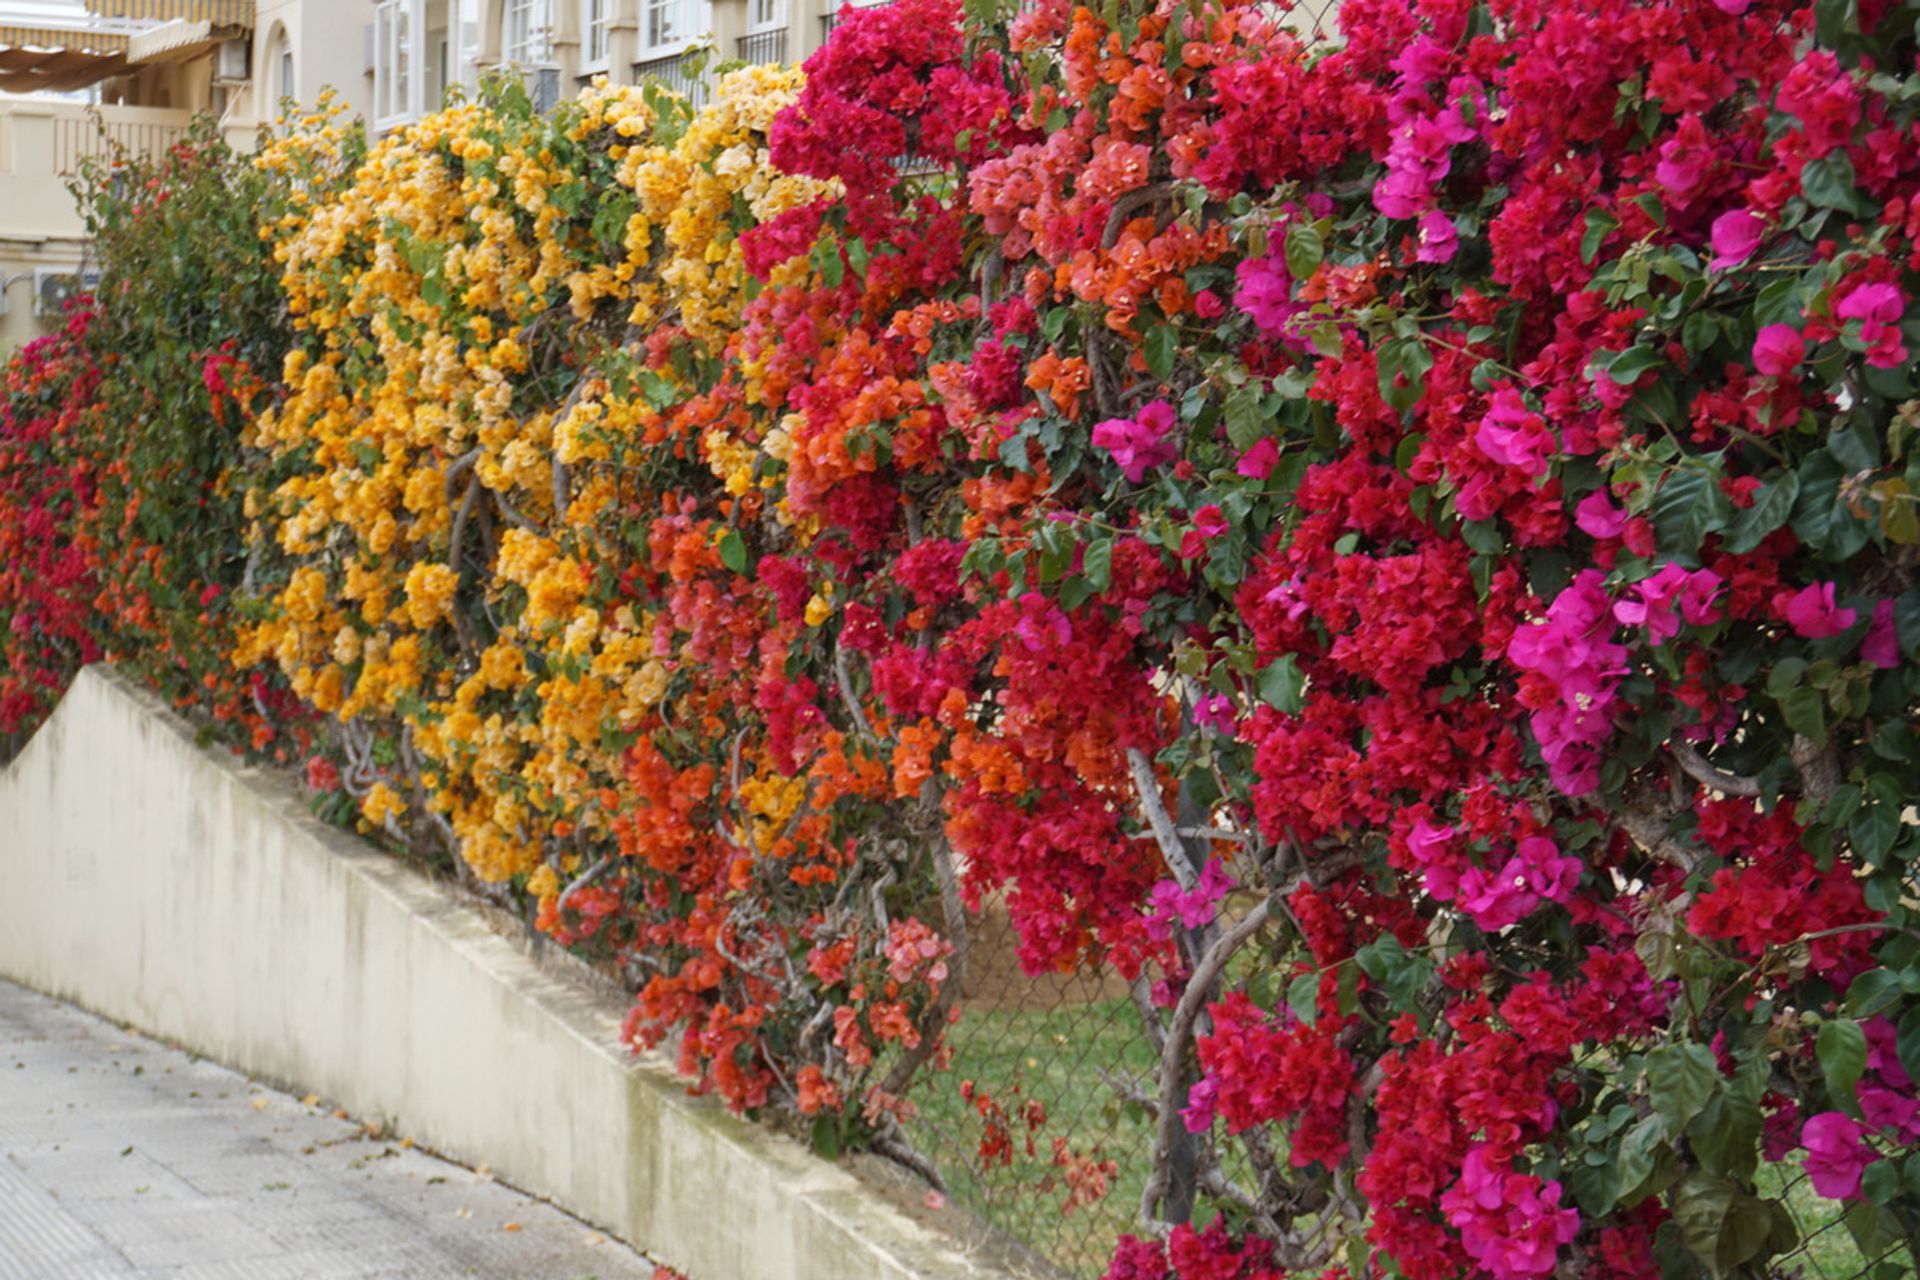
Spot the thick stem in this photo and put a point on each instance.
(1179, 1036)
(1164, 832)
(1702, 771)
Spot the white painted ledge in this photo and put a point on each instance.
(182, 893)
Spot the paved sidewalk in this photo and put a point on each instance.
(121, 1157)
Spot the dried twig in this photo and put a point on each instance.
(845, 680)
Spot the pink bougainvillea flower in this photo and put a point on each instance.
(1197, 1115)
(1514, 436)
(1732, 8)
(1192, 908)
(1258, 462)
(1547, 871)
(1813, 613)
(1216, 711)
(1439, 238)
(1597, 517)
(1265, 292)
(1141, 443)
(1511, 1224)
(1778, 350)
(1837, 1154)
(1496, 899)
(1041, 623)
(1878, 308)
(1661, 602)
(1208, 524)
(1576, 668)
(1736, 234)
(1685, 161)
(1882, 645)
(1891, 1112)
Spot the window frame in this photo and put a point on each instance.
(595, 34)
(526, 34)
(777, 9)
(398, 87)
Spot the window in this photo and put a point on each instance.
(395, 87)
(280, 61)
(663, 25)
(593, 32)
(764, 15)
(467, 51)
(528, 38)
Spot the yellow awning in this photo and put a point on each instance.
(14, 37)
(221, 13)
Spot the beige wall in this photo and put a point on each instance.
(170, 888)
(41, 143)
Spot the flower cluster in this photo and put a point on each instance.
(1405, 548)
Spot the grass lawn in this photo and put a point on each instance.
(1055, 1057)
(1058, 1058)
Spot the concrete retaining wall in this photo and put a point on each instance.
(193, 898)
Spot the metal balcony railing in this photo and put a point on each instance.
(828, 21)
(78, 136)
(671, 71)
(764, 47)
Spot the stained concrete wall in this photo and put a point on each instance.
(175, 890)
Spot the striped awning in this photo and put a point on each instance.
(34, 60)
(221, 13)
(72, 39)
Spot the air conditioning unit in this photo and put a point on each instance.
(230, 61)
(53, 289)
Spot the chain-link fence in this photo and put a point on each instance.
(1034, 1124)
(1042, 1125)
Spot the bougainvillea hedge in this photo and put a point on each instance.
(1407, 541)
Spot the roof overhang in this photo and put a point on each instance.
(220, 13)
(176, 41)
(36, 59)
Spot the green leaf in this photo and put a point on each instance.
(1805, 711)
(1401, 974)
(858, 256)
(1242, 415)
(1726, 1136)
(1304, 249)
(1701, 1206)
(826, 1137)
(1161, 346)
(1638, 1150)
(733, 552)
(1600, 224)
(1303, 997)
(1627, 367)
(1829, 182)
(1097, 564)
(1402, 364)
(1873, 831)
(1283, 685)
(1688, 506)
(1871, 992)
(1681, 1079)
(1841, 1049)
(1771, 507)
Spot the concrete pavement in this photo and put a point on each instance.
(121, 1157)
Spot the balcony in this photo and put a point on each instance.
(764, 47)
(671, 71)
(42, 143)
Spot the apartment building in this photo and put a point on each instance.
(134, 72)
